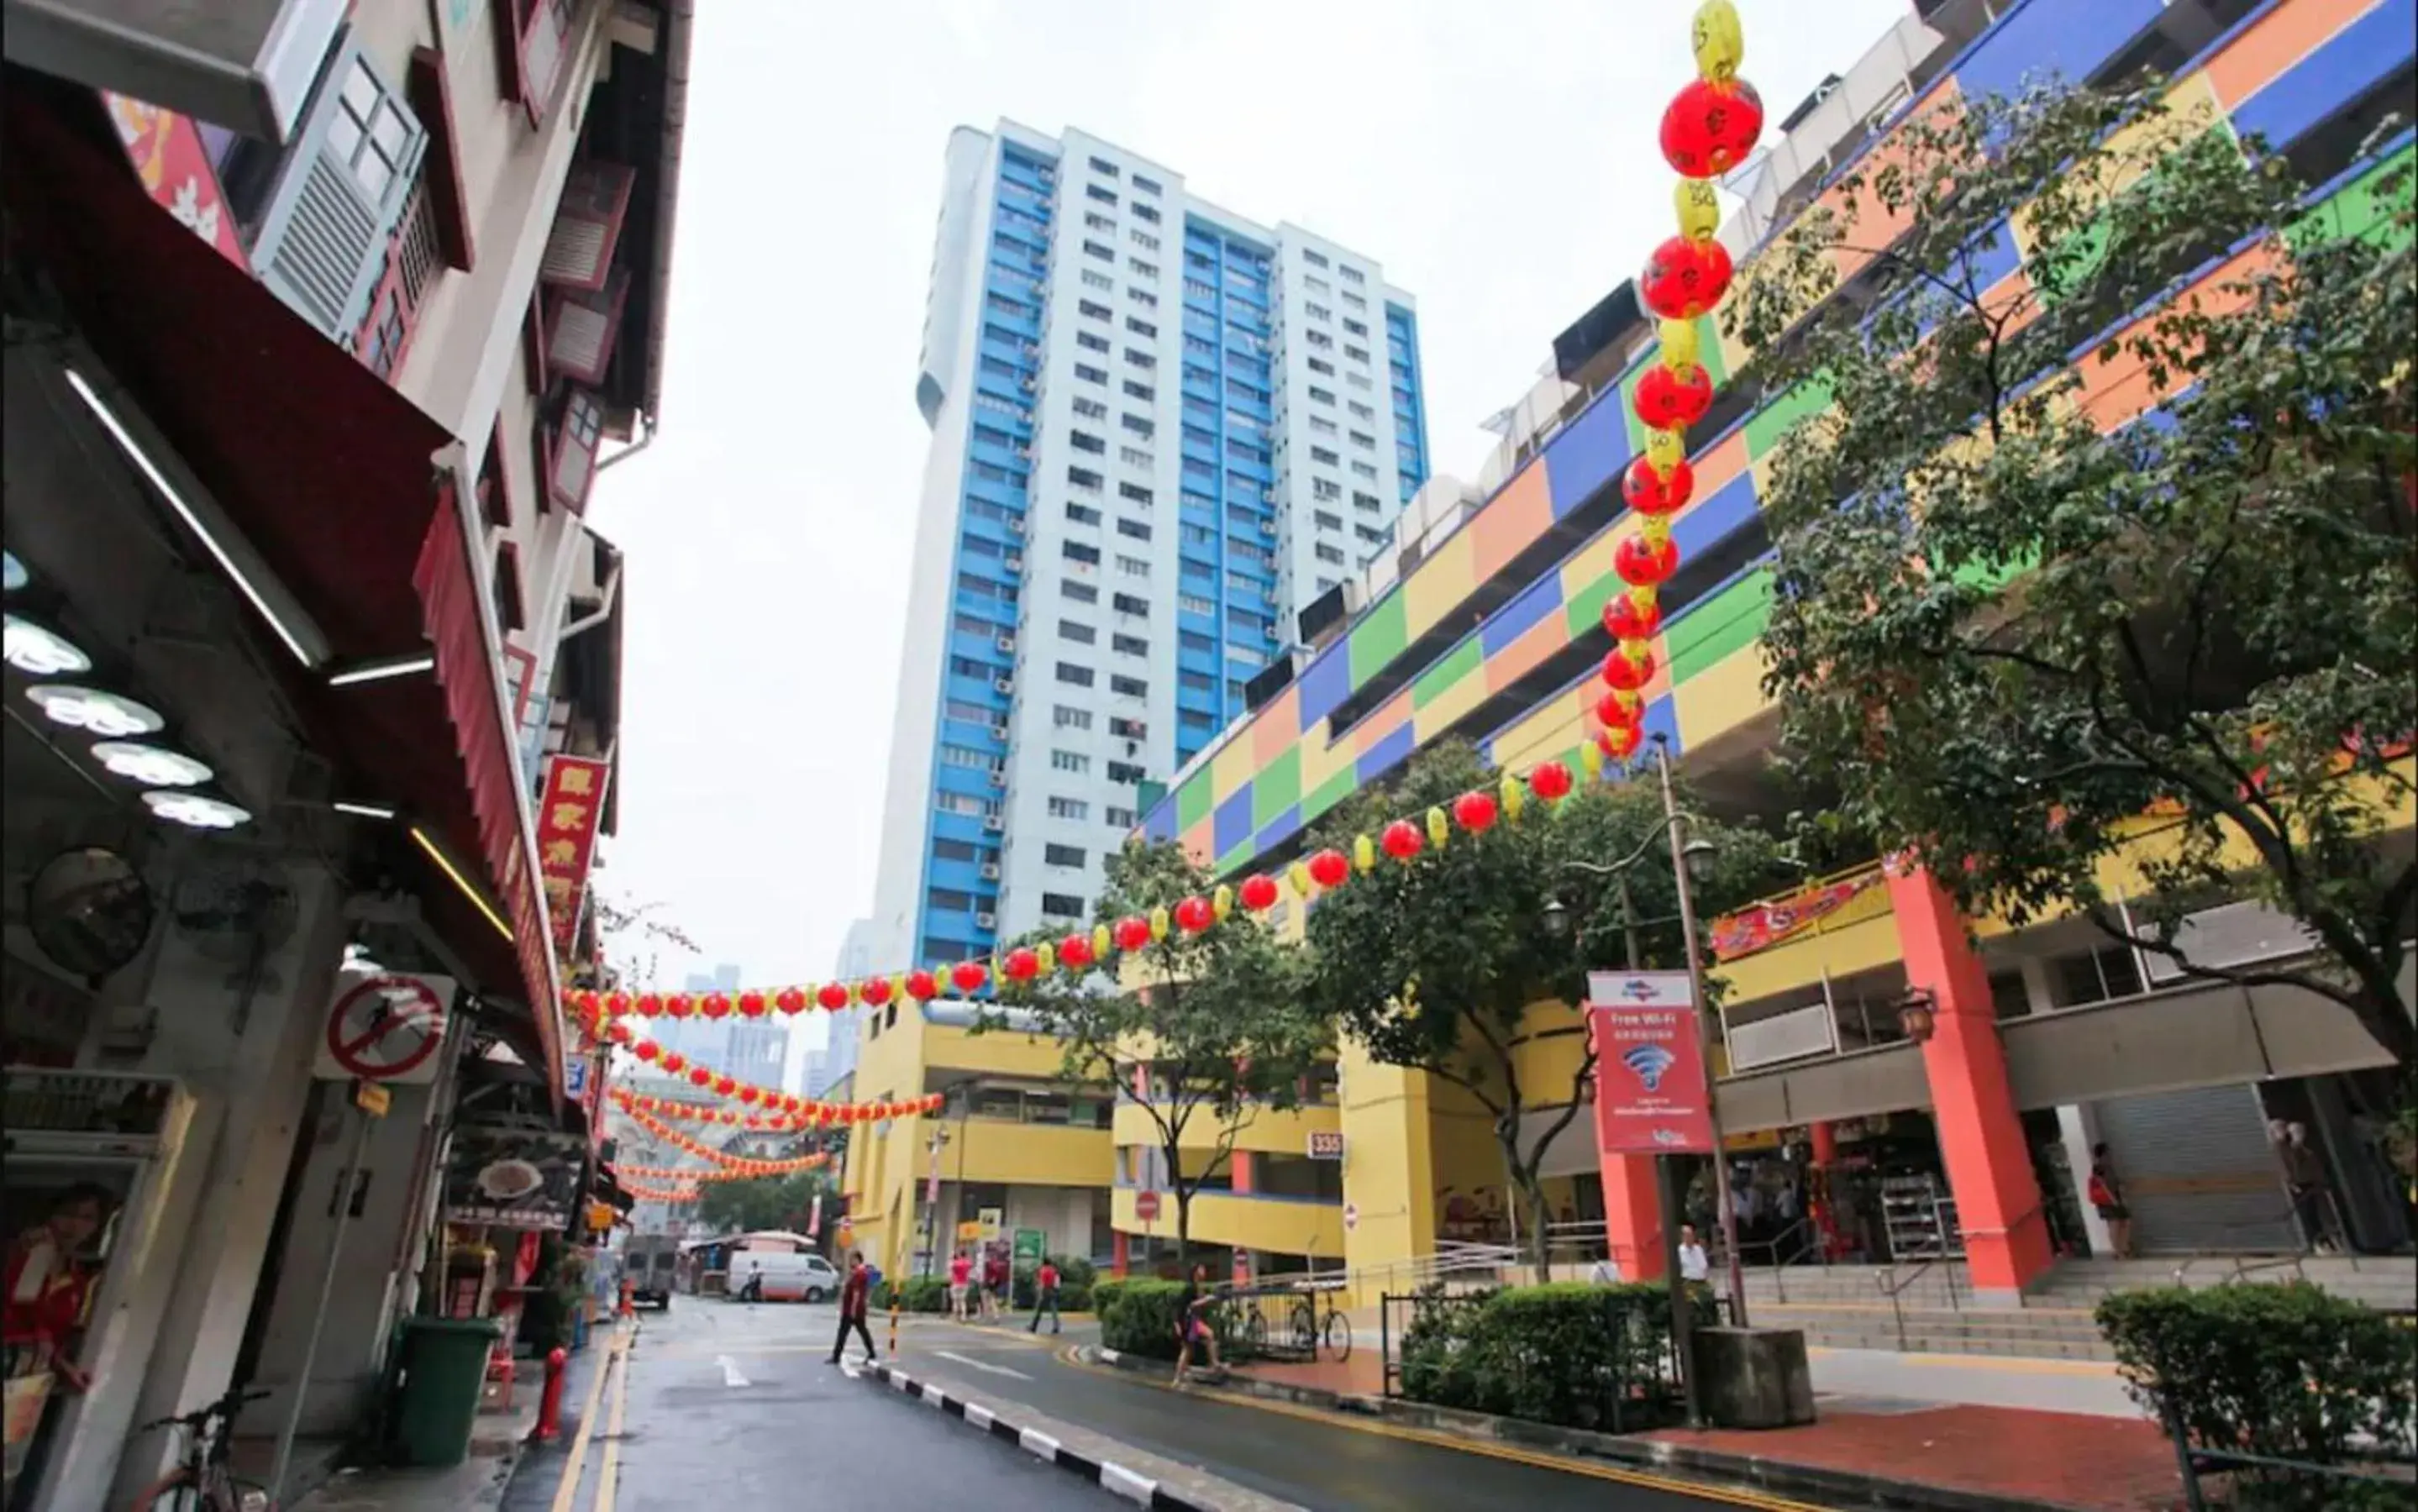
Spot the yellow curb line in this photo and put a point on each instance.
(576, 1470)
(1446, 1440)
(608, 1475)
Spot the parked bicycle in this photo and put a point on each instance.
(203, 1482)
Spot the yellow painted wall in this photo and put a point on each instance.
(1262, 1129)
(1278, 1224)
(1387, 1174)
(1027, 1154)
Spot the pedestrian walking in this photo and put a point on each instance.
(2304, 1177)
(855, 1295)
(1694, 1264)
(996, 1278)
(2106, 1194)
(1045, 1297)
(1192, 1324)
(961, 1274)
(1604, 1272)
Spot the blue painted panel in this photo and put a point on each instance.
(1702, 526)
(963, 875)
(1538, 601)
(966, 827)
(1386, 755)
(1588, 453)
(2068, 37)
(1281, 828)
(1325, 685)
(2358, 58)
(1230, 824)
(1159, 823)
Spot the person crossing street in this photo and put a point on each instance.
(1045, 1297)
(855, 1295)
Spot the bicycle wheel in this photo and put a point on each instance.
(1305, 1328)
(1339, 1337)
(1255, 1333)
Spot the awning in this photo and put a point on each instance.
(608, 1189)
(332, 477)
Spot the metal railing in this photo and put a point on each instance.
(1293, 1320)
(1782, 1249)
(1632, 1383)
(1893, 1287)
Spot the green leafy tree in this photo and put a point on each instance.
(2008, 625)
(1436, 964)
(1216, 1019)
(767, 1202)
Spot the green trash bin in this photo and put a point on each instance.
(444, 1369)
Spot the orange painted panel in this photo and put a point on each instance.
(1717, 469)
(1388, 718)
(2278, 39)
(1870, 227)
(2117, 390)
(1512, 520)
(1517, 660)
(1275, 727)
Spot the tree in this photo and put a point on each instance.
(766, 1202)
(1216, 1020)
(1436, 964)
(2012, 630)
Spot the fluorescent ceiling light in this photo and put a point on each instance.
(453, 874)
(109, 715)
(366, 811)
(395, 667)
(195, 811)
(218, 550)
(153, 766)
(12, 571)
(40, 651)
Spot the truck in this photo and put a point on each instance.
(649, 1262)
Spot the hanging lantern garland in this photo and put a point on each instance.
(740, 1168)
(660, 1194)
(1706, 131)
(772, 1099)
(775, 1122)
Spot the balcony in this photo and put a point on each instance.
(1273, 1225)
(1026, 1154)
(1264, 1130)
(1841, 926)
(249, 66)
(1001, 1052)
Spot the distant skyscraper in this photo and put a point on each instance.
(750, 1049)
(1159, 433)
(837, 1057)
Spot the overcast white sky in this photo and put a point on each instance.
(1498, 159)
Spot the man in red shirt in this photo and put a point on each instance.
(50, 1282)
(1045, 1297)
(961, 1290)
(855, 1295)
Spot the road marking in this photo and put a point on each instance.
(576, 1466)
(1491, 1451)
(981, 1364)
(730, 1376)
(608, 1475)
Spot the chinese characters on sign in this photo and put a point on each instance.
(171, 159)
(567, 818)
(1652, 1095)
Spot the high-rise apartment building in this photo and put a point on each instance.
(751, 1050)
(1159, 431)
(858, 959)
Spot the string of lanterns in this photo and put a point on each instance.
(823, 1115)
(737, 1167)
(1707, 130)
(688, 1173)
(660, 1194)
(666, 1108)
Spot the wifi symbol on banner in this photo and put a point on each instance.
(1649, 1062)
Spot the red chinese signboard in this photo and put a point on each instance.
(170, 157)
(1652, 1095)
(567, 818)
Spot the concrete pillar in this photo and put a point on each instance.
(1980, 1134)
(2077, 1129)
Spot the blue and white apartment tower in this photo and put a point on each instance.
(1159, 431)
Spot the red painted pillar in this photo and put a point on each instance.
(1239, 1165)
(1632, 1217)
(1117, 1260)
(1980, 1134)
(1826, 1144)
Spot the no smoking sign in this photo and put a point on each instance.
(386, 1028)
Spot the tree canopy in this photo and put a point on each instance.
(768, 1202)
(2017, 619)
(1216, 1019)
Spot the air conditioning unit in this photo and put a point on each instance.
(1003, 686)
(999, 732)
(985, 921)
(994, 823)
(1269, 495)
(991, 871)
(1024, 453)
(1015, 562)
(1016, 525)
(1032, 385)
(1007, 643)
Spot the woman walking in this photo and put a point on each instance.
(1192, 1324)
(2107, 1196)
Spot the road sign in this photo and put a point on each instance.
(1146, 1205)
(968, 1231)
(373, 1098)
(992, 1221)
(385, 1027)
(1029, 1244)
(1351, 1216)
(1326, 1144)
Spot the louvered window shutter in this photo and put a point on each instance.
(580, 329)
(587, 226)
(338, 193)
(545, 42)
(571, 467)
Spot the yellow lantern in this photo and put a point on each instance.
(1298, 874)
(1363, 853)
(1665, 450)
(1654, 530)
(1047, 955)
(1514, 794)
(1158, 922)
(1592, 759)
(1719, 41)
(1101, 942)
(1699, 209)
(1439, 828)
(1681, 349)
(1221, 901)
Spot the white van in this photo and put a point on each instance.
(786, 1277)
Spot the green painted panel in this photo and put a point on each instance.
(1766, 427)
(1380, 637)
(1708, 348)
(1586, 611)
(2366, 207)
(1463, 660)
(1727, 624)
(1276, 787)
(1332, 791)
(1192, 799)
(1237, 859)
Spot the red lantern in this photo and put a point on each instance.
(1019, 965)
(1194, 914)
(646, 1050)
(677, 1004)
(1612, 713)
(749, 1094)
(1133, 931)
(751, 1004)
(1550, 780)
(715, 1006)
(1642, 566)
(1402, 840)
(1258, 892)
(790, 1001)
(1668, 401)
(673, 1060)
(616, 1003)
(579, 1003)
(1619, 742)
(725, 1084)
(875, 990)
(832, 996)
(1626, 621)
(1328, 868)
(1650, 492)
(1709, 129)
(1074, 952)
(1684, 279)
(1473, 812)
(650, 1006)
(619, 1033)
(968, 976)
(922, 985)
(1626, 674)
(700, 1076)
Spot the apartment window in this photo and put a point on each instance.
(1141, 270)
(1192, 640)
(1326, 521)
(1194, 603)
(1144, 239)
(1363, 469)
(1091, 409)
(958, 756)
(1355, 328)
(1326, 488)
(1142, 297)
(1145, 186)
(1090, 374)
(1129, 645)
(1060, 906)
(1098, 281)
(1315, 258)
(1133, 567)
(1121, 819)
(959, 803)
(1141, 425)
(1129, 687)
(1366, 442)
(1083, 513)
(1091, 343)
(1374, 537)
(1321, 425)
(1327, 455)
(1124, 771)
(1080, 592)
(1318, 312)
(1332, 555)
(1125, 729)
(1357, 354)
(1197, 682)
(1098, 221)
(1070, 719)
(1318, 285)
(1106, 169)
(1053, 855)
(1085, 478)
(1135, 529)
(1136, 491)
(1069, 761)
(1353, 301)
(1073, 676)
(1093, 312)
(1352, 275)
(1128, 603)
(1366, 501)
(1085, 441)
(1322, 367)
(1099, 192)
(1320, 340)
(1357, 380)
(1068, 808)
(1140, 358)
(1141, 326)
(1077, 632)
(1139, 390)
(1093, 249)
(1076, 551)
(1144, 213)
(1361, 411)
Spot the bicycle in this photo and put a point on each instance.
(1310, 1336)
(203, 1483)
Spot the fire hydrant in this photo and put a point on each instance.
(549, 1407)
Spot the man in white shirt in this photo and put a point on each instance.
(1604, 1272)
(1693, 1263)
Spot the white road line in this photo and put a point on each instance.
(730, 1376)
(1125, 1483)
(1039, 1444)
(981, 1365)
